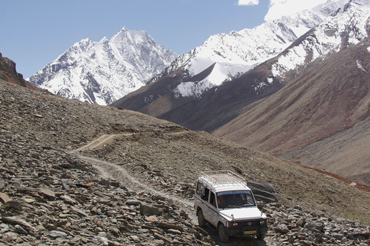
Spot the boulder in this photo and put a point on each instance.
(263, 191)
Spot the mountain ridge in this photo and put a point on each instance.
(235, 58)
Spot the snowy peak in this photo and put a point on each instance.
(125, 36)
(102, 72)
(238, 52)
(348, 26)
(330, 7)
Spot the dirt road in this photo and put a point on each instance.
(117, 172)
(113, 171)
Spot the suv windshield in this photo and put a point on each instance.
(235, 199)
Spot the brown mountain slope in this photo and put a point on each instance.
(157, 99)
(345, 153)
(325, 101)
(212, 110)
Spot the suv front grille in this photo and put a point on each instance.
(249, 223)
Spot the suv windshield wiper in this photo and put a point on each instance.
(239, 206)
(233, 206)
(247, 205)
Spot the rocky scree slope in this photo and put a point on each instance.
(51, 196)
(102, 72)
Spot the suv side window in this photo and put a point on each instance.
(202, 191)
(206, 193)
(213, 199)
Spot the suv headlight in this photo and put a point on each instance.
(231, 224)
(263, 222)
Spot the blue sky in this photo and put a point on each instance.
(36, 32)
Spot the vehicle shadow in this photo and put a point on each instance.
(233, 241)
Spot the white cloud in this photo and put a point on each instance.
(279, 8)
(248, 2)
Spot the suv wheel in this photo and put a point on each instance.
(201, 220)
(222, 234)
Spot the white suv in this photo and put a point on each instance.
(224, 200)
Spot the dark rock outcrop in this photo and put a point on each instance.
(9, 73)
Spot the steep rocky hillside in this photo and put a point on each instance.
(51, 194)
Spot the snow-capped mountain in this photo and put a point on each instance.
(237, 52)
(102, 72)
(346, 27)
(186, 93)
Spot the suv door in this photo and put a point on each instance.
(201, 199)
(212, 211)
(206, 200)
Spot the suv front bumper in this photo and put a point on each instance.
(239, 231)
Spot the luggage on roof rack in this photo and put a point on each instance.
(222, 177)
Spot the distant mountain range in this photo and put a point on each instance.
(186, 92)
(105, 71)
(231, 55)
(102, 72)
(298, 99)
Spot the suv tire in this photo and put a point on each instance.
(201, 220)
(222, 234)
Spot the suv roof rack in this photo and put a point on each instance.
(222, 178)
